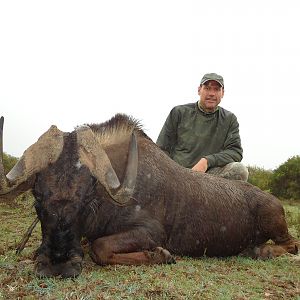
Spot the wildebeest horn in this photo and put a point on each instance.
(93, 156)
(37, 157)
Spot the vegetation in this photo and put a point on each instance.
(260, 177)
(8, 162)
(285, 181)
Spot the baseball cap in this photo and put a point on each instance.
(212, 76)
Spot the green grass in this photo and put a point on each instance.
(205, 278)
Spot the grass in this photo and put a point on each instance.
(205, 278)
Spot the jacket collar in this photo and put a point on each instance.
(204, 112)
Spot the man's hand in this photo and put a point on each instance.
(201, 165)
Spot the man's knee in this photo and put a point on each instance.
(237, 171)
(234, 171)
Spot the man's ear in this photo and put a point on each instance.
(199, 88)
(223, 91)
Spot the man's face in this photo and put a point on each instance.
(210, 94)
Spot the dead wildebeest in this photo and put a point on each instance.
(111, 184)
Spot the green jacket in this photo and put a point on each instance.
(190, 134)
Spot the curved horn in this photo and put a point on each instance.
(126, 191)
(36, 158)
(92, 155)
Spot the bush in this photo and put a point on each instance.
(8, 162)
(286, 179)
(260, 177)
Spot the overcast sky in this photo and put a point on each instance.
(73, 62)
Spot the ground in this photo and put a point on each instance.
(205, 278)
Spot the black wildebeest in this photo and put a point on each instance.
(111, 184)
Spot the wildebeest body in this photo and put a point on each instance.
(198, 213)
(186, 212)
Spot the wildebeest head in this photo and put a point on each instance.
(63, 170)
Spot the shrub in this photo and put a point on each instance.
(260, 177)
(286, 179)
(8, 162)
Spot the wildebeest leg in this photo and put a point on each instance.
(271, 251)
(266, 251)
(127, 248)
(284, 242)
(276, 229)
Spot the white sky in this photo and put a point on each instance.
(73, 62)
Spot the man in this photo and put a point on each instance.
(204, 136)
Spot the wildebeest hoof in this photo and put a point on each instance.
(161, 256)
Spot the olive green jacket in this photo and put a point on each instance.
(190, 134)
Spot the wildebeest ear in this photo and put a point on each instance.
(93, 156)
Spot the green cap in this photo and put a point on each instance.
(214, 77)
